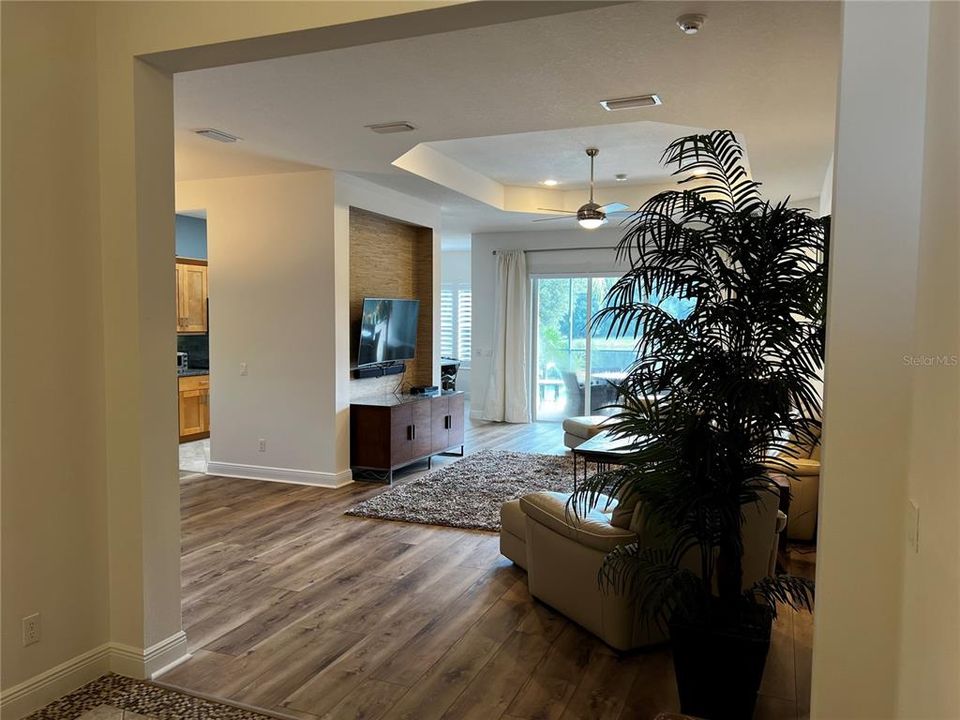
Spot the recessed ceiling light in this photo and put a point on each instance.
(628, 103)
(699, 172)
(620, 177)
(218, 135)
(550, 182)
(691, 24)
(392, 127)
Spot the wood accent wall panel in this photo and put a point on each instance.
(389, 258)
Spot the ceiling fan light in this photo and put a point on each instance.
(591, 223)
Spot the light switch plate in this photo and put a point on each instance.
(913, 525)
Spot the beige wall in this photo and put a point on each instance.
(89, 483)
(930, 623)
(270, 245)
(885, 641)
(53, 494)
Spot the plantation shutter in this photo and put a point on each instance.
(464, 325)
(447, 321)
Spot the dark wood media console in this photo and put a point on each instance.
(389, 432)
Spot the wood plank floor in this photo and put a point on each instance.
(293, 607)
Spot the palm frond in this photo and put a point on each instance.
(795, 592)
(719, 396)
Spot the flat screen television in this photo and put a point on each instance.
(388, 331)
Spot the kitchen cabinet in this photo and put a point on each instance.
(194, 401)
(396, 430)
(191, 296)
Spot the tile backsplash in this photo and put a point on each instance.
(197, 348)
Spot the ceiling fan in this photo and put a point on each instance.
(590, 215)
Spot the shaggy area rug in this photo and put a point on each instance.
(469, 492)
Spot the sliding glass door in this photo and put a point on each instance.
(560, 346)
(574, 368)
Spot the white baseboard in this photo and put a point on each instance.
(149, 662)
(32, 694)
(285, 475)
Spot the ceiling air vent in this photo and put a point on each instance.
(218, 135)
(628, 103)
(392, 127)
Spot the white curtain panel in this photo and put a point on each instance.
(508, 391)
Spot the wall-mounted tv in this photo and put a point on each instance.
(388, 331)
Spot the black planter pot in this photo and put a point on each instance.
(718, 668)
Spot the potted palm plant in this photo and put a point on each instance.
(717, 400)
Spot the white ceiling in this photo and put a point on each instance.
(526, 159)
(519, 101)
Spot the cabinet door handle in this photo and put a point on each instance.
(409, 432)
(414, 431)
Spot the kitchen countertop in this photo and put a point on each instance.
(193, 372)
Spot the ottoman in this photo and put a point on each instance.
(577, 430)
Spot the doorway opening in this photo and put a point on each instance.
(193, 343)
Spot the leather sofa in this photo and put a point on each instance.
(562, 553)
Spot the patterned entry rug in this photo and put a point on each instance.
(115, 697)
(469, 492)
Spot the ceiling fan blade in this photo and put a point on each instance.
(571, 212)
(614, 207)
(564, 217)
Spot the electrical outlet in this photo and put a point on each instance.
(31, 629)
(243, 368)
(262, 445)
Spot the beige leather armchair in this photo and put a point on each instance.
(563, 554)
(804, 491)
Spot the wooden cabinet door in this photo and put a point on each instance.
(205, 409)
(440, 423)
(179, 302)
(422, 418)
(401, 434)
(456, 421)
(191, 412)
(192, 298)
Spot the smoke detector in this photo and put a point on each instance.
(691, 24)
